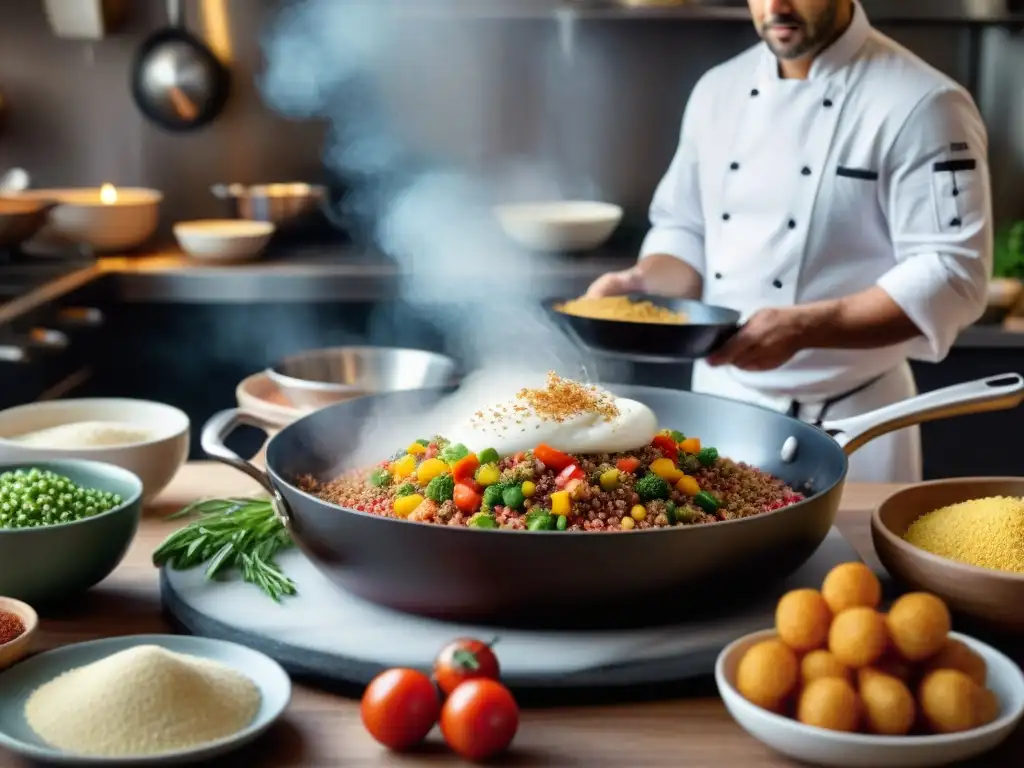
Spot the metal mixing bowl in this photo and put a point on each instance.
(280, 204)
(324, 376)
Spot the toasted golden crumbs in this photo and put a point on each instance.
(622, 308)
(561, 399)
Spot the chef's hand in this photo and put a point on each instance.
(659, 274)
(766, 341)
(616, 284)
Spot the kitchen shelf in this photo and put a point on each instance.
(922, 12)
(965, 13)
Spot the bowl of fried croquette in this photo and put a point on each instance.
(961, 539)
(839, 682)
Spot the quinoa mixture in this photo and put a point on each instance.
(674, 480)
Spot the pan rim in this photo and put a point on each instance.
(278, 479)
(551, 305)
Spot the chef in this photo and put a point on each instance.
(833, 188)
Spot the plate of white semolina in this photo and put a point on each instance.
(140, 700)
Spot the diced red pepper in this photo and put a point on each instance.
(627, 464)
(466, 499)
(432, 451)
(667, 446)
(552, 458)
(465, 467)
(572, 472)
(472, 484)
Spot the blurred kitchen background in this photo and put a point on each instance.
(587, 90)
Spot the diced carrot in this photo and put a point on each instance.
(465, 467)
(552, 458)
(627, 464)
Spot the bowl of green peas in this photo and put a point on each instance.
(64, 526)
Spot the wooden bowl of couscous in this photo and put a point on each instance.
(961, 539)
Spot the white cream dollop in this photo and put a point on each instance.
(522, 428)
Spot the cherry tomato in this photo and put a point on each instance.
(464, 659)
(399, 708)
(479, 719)
(466, 499)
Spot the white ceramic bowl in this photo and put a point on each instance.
(223, 240)
(571, 225)
(818, 746)
(156, 461)
(83, 218)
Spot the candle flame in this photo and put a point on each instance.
(108, 194)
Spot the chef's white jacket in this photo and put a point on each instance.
(872, 171)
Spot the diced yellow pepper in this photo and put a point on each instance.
(404, 467)
(609, 480)
(404, 505)
(430, 469)
(627, 524)
(667, 470)
(638, 512)
(488, 474)
(690, 445)
(560, 503)
(415, 449)
(688, 485)
(528, 488)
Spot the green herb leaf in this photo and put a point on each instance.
(243, 534)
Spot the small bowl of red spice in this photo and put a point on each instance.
(18, 622)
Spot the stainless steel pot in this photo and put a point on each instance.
(322, 377)
(501, 576)
(281, 204)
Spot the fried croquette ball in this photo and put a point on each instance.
(857, 637)
(918, 624)
(802, 619)
(767, 673)
(851, 585)
(831, 703)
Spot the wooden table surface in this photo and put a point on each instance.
(322, 729)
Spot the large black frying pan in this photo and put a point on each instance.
(495, 576)
(707, 328)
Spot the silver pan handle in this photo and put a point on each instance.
(996, 393)
(217, 429)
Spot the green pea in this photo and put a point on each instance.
(488, 456)
(513, 497)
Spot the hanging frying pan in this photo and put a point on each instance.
(177, 81)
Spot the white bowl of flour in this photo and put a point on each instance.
(147, 438)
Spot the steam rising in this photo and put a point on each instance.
(329, 59)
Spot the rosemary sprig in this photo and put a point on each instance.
(230, 533)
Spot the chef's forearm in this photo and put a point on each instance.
(865, 320)
(667, 275)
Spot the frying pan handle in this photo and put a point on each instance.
(996, 393)
(174, 13)
(216, 431)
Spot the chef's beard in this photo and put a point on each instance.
(816, 33)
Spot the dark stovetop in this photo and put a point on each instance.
(22, 272)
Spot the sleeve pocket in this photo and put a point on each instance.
(954, 187)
